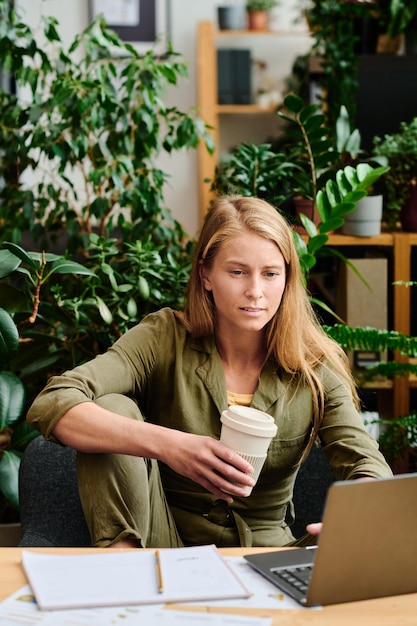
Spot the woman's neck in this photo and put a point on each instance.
(242, 363)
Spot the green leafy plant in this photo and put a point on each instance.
(334, 194)
(254, 170)
(376, 340)
(260, 5)
(400, 149)
(79, 154)
(398, 437)
(72, 319)
(311, 149)
(332, 24)
(398, 442)
(349, 144)
(401, 16)
(15, 433)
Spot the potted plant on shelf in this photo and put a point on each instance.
(232, 15)
(401, 19)
(332, 185)
(400, 183)
(303, 166)
(258, 11)
(254, 170)
(365, 220)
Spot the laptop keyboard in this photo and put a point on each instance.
(297, 577)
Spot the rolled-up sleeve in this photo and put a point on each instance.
(350, 449)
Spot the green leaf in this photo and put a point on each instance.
(8, 263)
(9, 477)
(64, 266)
(9, 336)
(333, 194)
(104, 311)
(308, 224)
(294, 103)
(12, 399)
(317, 242)
(143, 287)
(20, 253)
(351, 176)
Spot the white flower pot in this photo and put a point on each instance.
(365, 220)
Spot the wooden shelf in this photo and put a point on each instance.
(244, 109)
(207, 104)
(254, 33)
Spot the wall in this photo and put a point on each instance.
(181, 191)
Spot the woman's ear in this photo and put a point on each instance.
(204, 276)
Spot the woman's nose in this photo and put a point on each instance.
(254, 288)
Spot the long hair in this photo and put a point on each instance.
(294, 336)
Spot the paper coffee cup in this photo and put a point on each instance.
(248, 432)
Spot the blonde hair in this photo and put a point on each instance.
(294, 336)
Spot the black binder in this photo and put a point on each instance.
(234, 76)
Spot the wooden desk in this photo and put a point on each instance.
(381, 612)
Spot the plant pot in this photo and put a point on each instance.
(305, 206)
(10, 534)
(365, 220)
(231, 18)
(258, 20)
(408, 215)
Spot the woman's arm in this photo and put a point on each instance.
(88, 427)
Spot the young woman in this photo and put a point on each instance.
(145, 416)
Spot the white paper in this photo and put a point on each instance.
(129, 578)
(20, 609)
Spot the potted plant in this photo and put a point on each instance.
(232, 15)
(365, 220)
(15, 433)
(79, 154)
(332, 186)
(400, 18)
(400, 183)
(254, 170)
(258, 13)
(303, 166)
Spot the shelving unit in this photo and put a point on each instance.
(401, 244)
(209, 109)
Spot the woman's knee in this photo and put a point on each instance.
(120, 404)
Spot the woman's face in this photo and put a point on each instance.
(247, 280)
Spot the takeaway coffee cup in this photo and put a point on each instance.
(248, 432)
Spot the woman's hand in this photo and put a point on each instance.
(314, 529)
(90, 428)
(208, 463)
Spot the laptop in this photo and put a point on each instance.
(367, 547)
